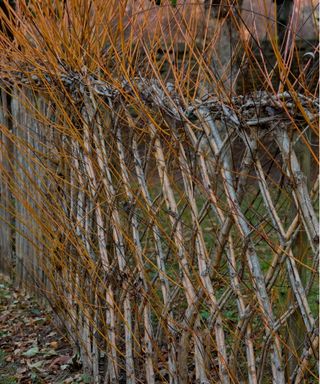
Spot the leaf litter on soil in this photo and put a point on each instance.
(32, 350)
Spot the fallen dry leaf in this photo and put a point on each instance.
(54, 344)
(61, 360)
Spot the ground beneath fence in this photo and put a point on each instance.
(32, 350)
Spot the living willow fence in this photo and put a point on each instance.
(168, 248)
(175, 236)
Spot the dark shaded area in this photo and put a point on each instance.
(284, 10)
(6, 9)
(304, 68)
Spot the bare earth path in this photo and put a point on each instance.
(31, 349)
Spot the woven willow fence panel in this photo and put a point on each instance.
(175, 243)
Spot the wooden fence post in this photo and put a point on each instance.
(6, 200)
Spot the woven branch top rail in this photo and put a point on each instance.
(164, 97)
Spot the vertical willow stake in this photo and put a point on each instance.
(138, 253)
(165, 289)
(299, 170)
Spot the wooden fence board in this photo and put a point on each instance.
(6, 203)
